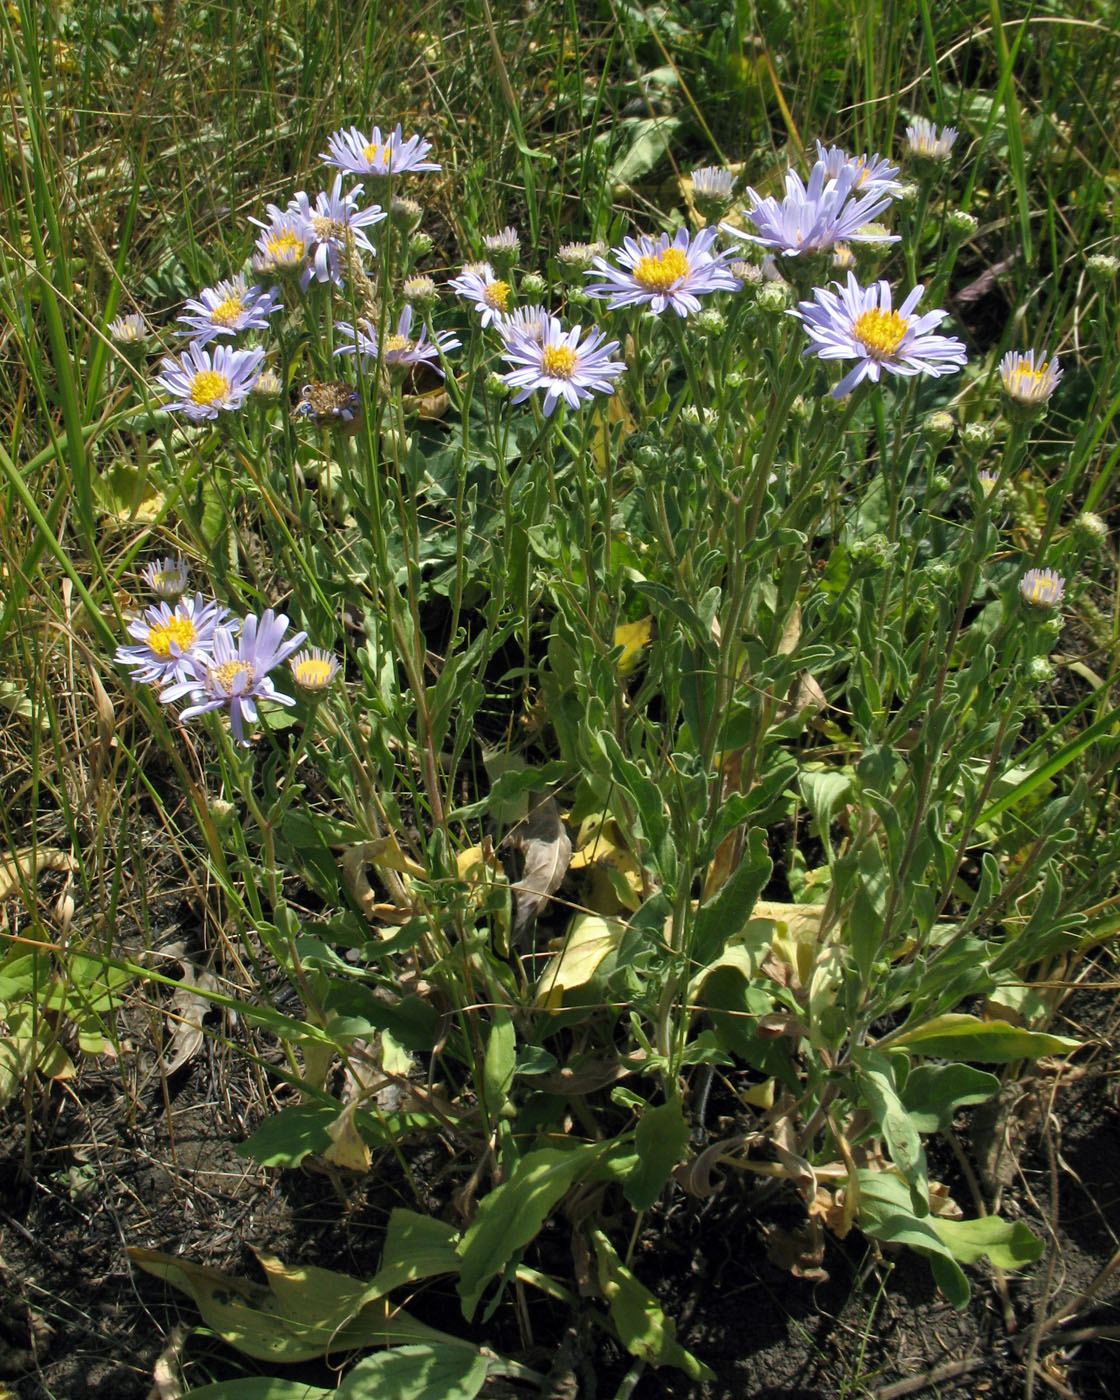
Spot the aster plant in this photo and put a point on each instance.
(399, 350)
(228, 308)
(169, 640)
(334, 224)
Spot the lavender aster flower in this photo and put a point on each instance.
(314, 670)
(284, 245)
(334, 223)
(167, 578)
(660, 274)
(925, 142)
(874, 174)
(202, 383)
(504, 247)
(358, 154)
(858, 323)
(229, 307)
(528, 321)
(235, 675)
(712, 182)
(128, 330)
(1042, 587)
(560, 364)
(1027, 383)
(814, 216)
(170, 640)
(397, 351)
(479, 283)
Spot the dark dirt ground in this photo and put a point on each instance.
(123, 1156)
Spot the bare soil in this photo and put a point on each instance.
(124, 1155)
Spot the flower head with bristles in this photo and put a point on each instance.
(283, 247)
(1029, 382)
(875, 174)
(314, 670)
(335, 225)
(375, 155)
(528, 321)
(504, 247)
(712, 182)
(664, 275)
(235, 675)
(859, 323)
(202, 384)
(924, 142)
(128, 331)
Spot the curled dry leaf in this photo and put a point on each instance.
(185, 1015)
(27, 863)
(540, 851)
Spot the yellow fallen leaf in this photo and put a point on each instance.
(591, 938)
(632, 637)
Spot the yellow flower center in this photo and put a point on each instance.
(1043, 590)
(396, 342)
(657, 274)
(373, 153)
(179, 630)
(285, 248)
(559, 361)
(313, 672)
(226, 675)
(496, 295)
(228, 312)
(1026, 384)
(208, 386)
(880, 331)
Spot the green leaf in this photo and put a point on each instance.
(933, 1093)
(661, 1140)
(1009, 1245)
(722, 918)
(259, 1388)
(876, 1079)
(501, 1060)
(416, 1246)
(886, 1213)
(650, 139)
(510, 1216)
(416, 1373)
(305, 1313)
(642, 1327)
(289, 1136)
(955, 1036)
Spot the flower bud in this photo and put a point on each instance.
(1090, 530)
(938, 428)
(533, 285)
(420, 245)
